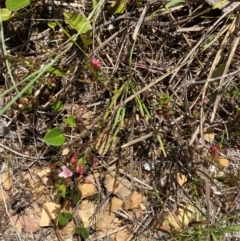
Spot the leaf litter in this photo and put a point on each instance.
(131, 193)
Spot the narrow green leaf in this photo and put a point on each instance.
(15, 5)
(82, 231)
(78, 22)
(172, 3)
(57, 105)
(219, 71)
(61, 190)
(75, 196)
(54, 137)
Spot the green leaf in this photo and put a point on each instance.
(67, 215)
(64, 218)
(52, 24)
(82, 231)
(5, 14)
(94, 3)
(70, 121)
(75, 196)
(172, 3)
(55, 71)
(235, 90)
(82, 161)
(15, 5)
(54, 137)
(57, 105)
(219, 71)
(86, 41)
(118, 6)
(62, 190)
(78, 22)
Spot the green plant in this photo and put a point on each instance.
(65, 217)
(163, 106)
(54, 137)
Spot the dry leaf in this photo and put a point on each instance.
(127, 123)
(174, 221)
(222, 161)
(209, 135)
(54, 210)
(120, 188)
(30, 224)
(122, 235)
(138, 214)
(3, 196)
(68, 229)
(65, 151)
(105, 142)
(6, 178)
(90, 179)
(16, 221)
(86, 211)
(67, 206)
(114, 204)
(87, 189)
(133, 201)
(142, 207)
(106, 221)
(181, 179)
(46, 179)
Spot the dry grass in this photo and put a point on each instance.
(168, 77)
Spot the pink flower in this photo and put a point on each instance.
(80, 170)
(65, 172)
(96, 63)
(73, 159)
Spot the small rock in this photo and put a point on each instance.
(87, 189)
(54, 210)
(120, 188)
(86, 211)
(133, 201)
(114, 204)
(6, 178)
(142, 206)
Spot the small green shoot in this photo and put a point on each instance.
(54, 137)
(61, 189)
(70, 121)
(64, 218)
(75, 196)
(82, 231)
(52, 25)
(55, 71)
(58, 105)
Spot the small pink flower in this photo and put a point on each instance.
(80, 170)
(73, 159)
(65, 172)
(96, 63)
(205, 101)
